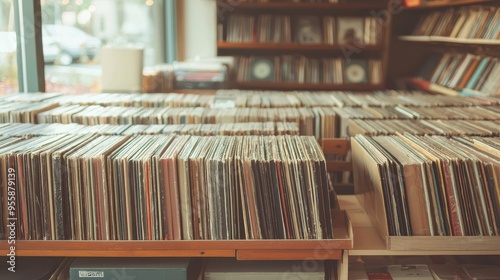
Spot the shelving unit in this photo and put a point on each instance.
(420, 47)
(309, 50)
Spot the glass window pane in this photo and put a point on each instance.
(74, 31)
(8, 59)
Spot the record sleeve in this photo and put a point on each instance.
(356, 72)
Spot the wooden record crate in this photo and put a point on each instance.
(333, 251)
(370, 196)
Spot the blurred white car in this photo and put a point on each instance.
(73, 43)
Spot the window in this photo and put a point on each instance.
(73, 32)
(8, 43)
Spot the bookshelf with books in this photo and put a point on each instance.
(452, 47)
(306, 45)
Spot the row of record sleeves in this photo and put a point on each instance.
(430, 185)
(469, 22)
(425, 127)
(227, 129)
(302, 69)
(483, 128)
(261, 99)
(323, 122)
(427, 183)
(464, 74)
(165, 187)
(303, 29)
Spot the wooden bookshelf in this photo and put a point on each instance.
(298, 86)
(421, 47)
(377, 49)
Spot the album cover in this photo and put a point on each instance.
(308, 30)
(356, 72)
(262, 69)
(350, 31)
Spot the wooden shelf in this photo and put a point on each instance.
(286, 86)
(446, 3)
(229, 248)
(368, 241)
(450, 41)
(242, 249)
(288, 47)
(279, 6)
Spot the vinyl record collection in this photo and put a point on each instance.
(252, 99)
(156, 187)
(469, 22)
(379, 98)
(302, 69)
(425, 127)
(269, 28)
(343, 116)
(432, 185)
(329, 120)
(94, 115)
(466, 74)
(262, 28)
(323, 122)
(227, 129)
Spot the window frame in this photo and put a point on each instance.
(30, 62)
(30, 65)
